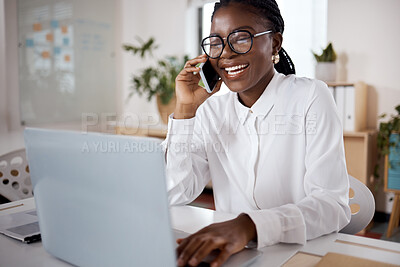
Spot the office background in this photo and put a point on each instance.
(364, 32)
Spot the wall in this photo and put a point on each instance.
(11, 45)
(9, 91)
(305, 31)
(164, 20)
(3, 95)
(366, 36)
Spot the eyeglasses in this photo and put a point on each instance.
(239, 41)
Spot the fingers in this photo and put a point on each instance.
(182, 243)
(186, 250)
(190, 70)
(195, 61)
(205, 249)
(190, 65)
(228, 237)
(222, 257)
(195, 248)
(198, 248)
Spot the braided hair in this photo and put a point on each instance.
(269, 10)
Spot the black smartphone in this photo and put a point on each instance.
(209, 76)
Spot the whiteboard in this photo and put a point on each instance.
(66, 59)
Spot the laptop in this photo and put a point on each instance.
(22, 226)
(101, 199)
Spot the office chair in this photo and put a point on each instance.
(362, 205)
(15, 180)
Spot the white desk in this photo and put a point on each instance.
(191, 219)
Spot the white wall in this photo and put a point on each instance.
(9, 92)
(3, 95)
(366, 35)
(305, 31)
(11, 45)
(163, 20)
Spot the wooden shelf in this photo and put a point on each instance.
(360, 150)
(334, 84)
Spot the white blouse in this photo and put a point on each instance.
(281, 161)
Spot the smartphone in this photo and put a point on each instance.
(209, 76)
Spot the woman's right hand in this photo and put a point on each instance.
(189, 95)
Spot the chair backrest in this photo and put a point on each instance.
(362, 205)
(15, 181)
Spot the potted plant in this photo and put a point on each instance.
(388, 144)
(325, 69)
(158, 80)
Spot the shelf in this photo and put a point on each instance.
(360, 150)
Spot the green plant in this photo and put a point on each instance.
(155, 80)
(384, 142)
(328, 54)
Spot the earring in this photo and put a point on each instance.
(275, 58)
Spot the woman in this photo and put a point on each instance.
(272, 146)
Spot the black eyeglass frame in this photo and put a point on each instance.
(229, 43)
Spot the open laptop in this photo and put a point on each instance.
(101, 199)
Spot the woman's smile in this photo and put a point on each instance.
(247, 73)
(235, 71)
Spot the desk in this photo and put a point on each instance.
(191, 219)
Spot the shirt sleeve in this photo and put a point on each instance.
(325, 208)
(187, 168)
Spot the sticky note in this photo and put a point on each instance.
(57, 50)
(67, 58)
(37, 27)
(64, 29)
(54, 24)
(29, 43)
(49, 37)
(65, 41)
(45, 54)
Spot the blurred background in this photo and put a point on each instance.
(63, 64)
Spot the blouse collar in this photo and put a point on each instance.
(264, 103)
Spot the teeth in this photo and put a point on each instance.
(230, 69)
(235, 72)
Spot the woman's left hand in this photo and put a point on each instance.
(227, 237)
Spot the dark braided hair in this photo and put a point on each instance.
(269, 10)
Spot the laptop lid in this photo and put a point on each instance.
(101, 199)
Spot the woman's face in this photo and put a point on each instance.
(257, 65)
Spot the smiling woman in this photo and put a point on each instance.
(280, 160)
(305, 31)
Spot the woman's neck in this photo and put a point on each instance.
(250, 96)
